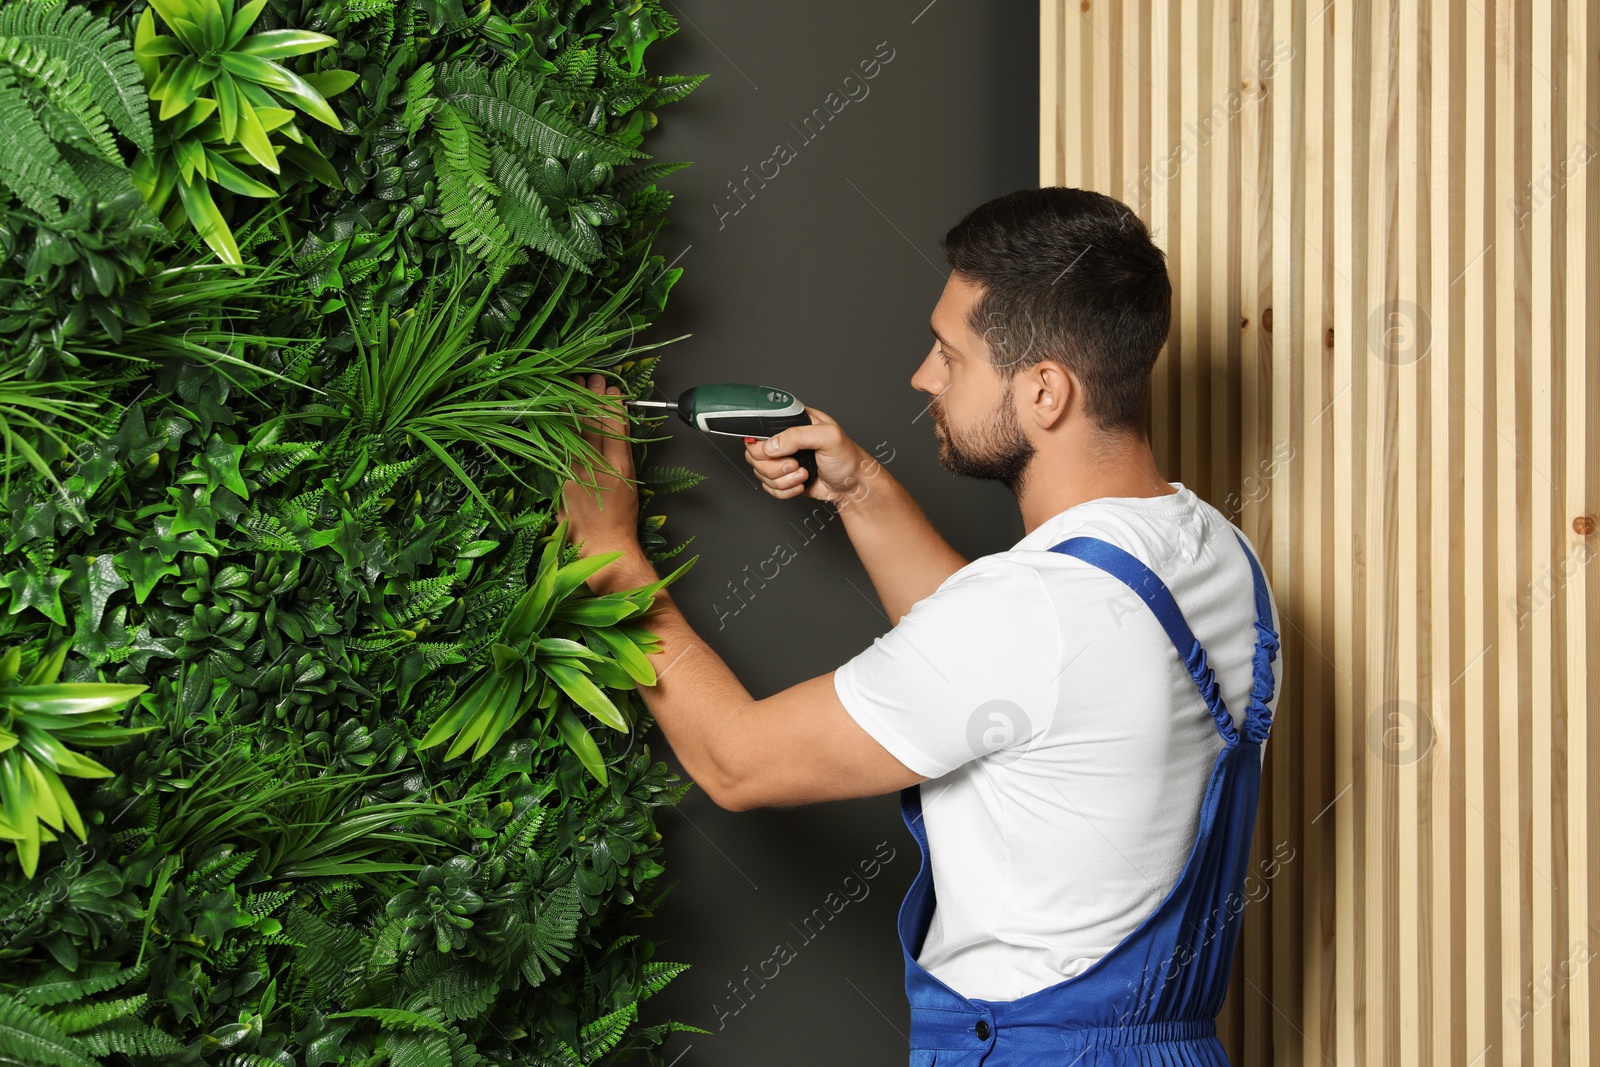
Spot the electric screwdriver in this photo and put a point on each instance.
(741, 411)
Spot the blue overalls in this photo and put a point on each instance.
(1154, 998)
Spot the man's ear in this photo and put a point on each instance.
(1052, 390)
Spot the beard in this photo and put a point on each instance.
(996, 450)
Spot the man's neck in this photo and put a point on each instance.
(1051, 488)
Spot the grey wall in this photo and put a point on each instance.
(821, 284)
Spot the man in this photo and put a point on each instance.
(1089, 796)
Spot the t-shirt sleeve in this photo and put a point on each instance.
(971, 669)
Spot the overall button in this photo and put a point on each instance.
(982, 1030)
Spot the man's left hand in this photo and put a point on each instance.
(608, 522)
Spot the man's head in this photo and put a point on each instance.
(1055, 311)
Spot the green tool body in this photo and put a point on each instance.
(739, 410)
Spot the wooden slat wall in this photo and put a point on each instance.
(1381, 222)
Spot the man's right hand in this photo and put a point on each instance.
(839, 461)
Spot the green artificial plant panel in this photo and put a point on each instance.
(314, 746)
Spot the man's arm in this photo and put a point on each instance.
(904, 555)
(799, 746)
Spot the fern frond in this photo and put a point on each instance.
(671, 89)
(131, 1038)
(87, 1016)
(69, 112)
(463, 150)
(547, 942)
(26, 1036)
(526, 217)
(45, 994)
(92, 48)
(601, 1035)
(279, 459)
(260, 904)
(215, 873)
(416, 1050)
(507, 105)
(656, 975)
(645, 174)
(670, 479)
(30, 165)
(461, 993)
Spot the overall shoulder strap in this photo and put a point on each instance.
(1127, 568)
(1258, 719)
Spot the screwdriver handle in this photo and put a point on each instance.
(806, 457)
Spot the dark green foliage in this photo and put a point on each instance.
(298, 501)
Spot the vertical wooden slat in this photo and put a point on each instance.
(1186, 304)
(1545, 805)
(1484, 1028)
(1419, 172)
(1075, 100)
(1408, 498)
(1510, 506)
(1097, 30)
(1443, 414)
(1582, 438)
(1052, 115)
(1346, 727)
(1158, 218)
(1252, 273)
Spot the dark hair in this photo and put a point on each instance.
(1071, 275)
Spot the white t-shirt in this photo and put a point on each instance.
(1067, 746)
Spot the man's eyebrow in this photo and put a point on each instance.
(942, 341)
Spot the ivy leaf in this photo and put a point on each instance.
(145, 644)
(220, 462)
(100, 578)
(146, 569)
(169, 544)
(219, 913)
(31, 520)
(41, 590)
(194, 511)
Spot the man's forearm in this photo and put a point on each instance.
(696, 697)
(904, 555)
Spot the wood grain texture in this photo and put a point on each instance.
(1384, 367)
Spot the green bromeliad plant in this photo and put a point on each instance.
(223, 96)
(314, 745)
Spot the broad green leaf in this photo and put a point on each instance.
(182, 87)
(181, 20)
(586, 694)
(508, 689)
(197, 113)
(69, 810)
(331, 83)
(282, 80)
(577, 572)
(578, 738)
(562, 647)
(208, 221)
(461, 712)
(275, 44)
(45, 807)
(628, 654)
(509, 711)
(71, 698)
(241, 22)
(595, 611)
(227, 106)
(253, 137)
